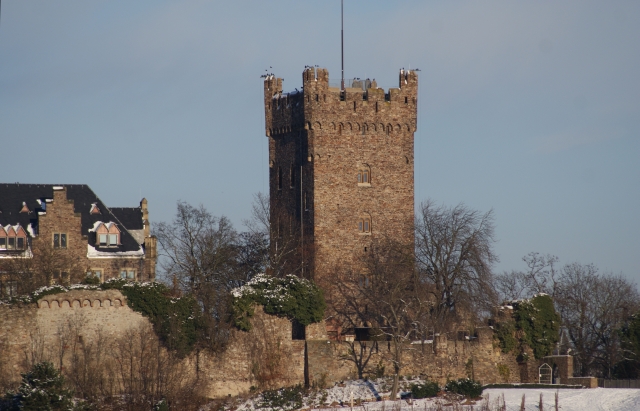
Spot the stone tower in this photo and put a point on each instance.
(340, 167)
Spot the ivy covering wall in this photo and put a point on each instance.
(176, 320)
(290, 297)
(534, 323)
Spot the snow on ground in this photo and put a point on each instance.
(595, 399)
(364, 394)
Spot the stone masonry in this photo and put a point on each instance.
(319, 140)
(267, 356)
(62, 216)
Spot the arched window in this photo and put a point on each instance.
(364, 224)
(364, 175)
(107, 235)
(13, 238)
(3, 238)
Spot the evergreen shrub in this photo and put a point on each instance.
(290, 297)
(428, 389)
(283, 399)
(42, 388)
(465, 386)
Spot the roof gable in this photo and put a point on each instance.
(35, 196)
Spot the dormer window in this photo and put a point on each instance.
(108, 235)
(12, 238)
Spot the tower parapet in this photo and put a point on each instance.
(368, 107)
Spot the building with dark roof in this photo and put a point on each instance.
(69, 223)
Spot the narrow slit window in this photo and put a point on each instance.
(292, 177)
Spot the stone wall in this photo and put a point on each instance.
(265, 357)
(327, 136)
(440, 361)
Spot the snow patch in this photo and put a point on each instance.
(93, 253)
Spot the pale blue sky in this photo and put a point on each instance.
(529, 108)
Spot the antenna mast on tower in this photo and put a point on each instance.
(342, 40)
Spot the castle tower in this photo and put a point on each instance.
(340, 167)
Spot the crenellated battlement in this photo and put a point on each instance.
(83, 299)
(364, 108)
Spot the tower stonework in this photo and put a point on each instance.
(340, 167)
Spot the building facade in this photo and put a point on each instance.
(67, 232)
(341, 167)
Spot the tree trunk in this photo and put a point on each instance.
(394, 389)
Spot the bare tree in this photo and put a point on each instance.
(593, 307)
(387, 297)
(200, 256)
(454, 255)
(45, 265)
(542, 276)
(281, 232)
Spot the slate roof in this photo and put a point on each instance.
(131, 217)
(13, 195)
